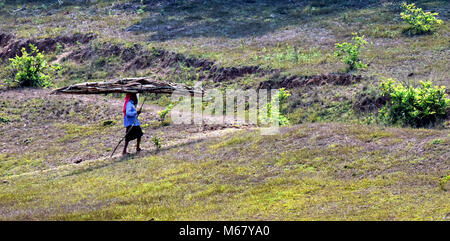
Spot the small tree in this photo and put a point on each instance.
(417, 107)
(30, 69)
(420, 22)
(349, 52)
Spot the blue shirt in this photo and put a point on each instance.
(131, 115)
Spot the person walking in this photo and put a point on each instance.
(131, 122)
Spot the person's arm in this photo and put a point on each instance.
(131, 110)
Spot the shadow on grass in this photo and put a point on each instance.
(130, 157)
(233, 18)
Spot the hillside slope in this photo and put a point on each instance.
(334, 162)
(308, 172)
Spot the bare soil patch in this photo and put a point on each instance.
(293, 81)
(12, 46)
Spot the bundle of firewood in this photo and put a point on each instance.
(127, 85)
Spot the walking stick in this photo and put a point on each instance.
(123, 138)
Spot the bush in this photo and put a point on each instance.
(30, 69)
(282, 120)
(349, 52)
(420, 22)
(424, 106)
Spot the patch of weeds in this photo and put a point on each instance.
(141, 10)
(382, 31)
(4, 119)
(59, 48)
(230, 142)
(369, 136)
(436, 141)
(157, 142)
(287, 56)
(72, 73)
(444, 183)
(319, 110)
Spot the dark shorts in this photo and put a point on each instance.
(134, 133)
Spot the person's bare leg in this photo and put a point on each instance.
(124, 152)
(138, 145)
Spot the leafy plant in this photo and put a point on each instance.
(30, 69)
(418, 107)
(157, 141)
(349, 52)
(141, 10)
(420, 22)
(59, 48)
(272, 112)
(4, 119)
(162, 114)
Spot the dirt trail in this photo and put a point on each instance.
(106, 160)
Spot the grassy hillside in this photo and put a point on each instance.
(335, 161)
(320, 171)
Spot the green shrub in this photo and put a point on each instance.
(424, 106)
(282, 97)
(349, 52)
(420, 22)
(30, 69)
(162, 114)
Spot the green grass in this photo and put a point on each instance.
(237, 182)
(73, 131)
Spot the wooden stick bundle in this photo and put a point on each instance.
(127, 85)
